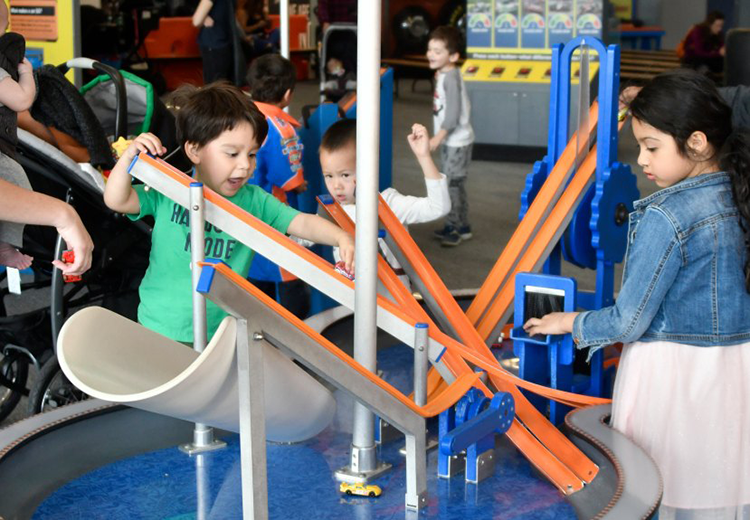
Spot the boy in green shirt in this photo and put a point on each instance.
(221, 131)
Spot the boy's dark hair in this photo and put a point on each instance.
(450, 36)
(269, 77)
(204, 113)
(341, 134)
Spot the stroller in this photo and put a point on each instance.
(121, 246)
(338, 62)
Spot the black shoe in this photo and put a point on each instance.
(465, 232)
(452, 239)
(442, 233)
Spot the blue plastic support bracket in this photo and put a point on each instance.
(476, 435)
(207, 276)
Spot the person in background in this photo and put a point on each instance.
(259, 38)
(453, 133)
(336, 11)
(216, 19)
(278, 170)
(704, 45)
(338, 161)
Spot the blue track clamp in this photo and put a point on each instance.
(497, 418)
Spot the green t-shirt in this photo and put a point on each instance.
(166, 290)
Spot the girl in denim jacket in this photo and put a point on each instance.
(683, 312)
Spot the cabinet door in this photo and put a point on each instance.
(533, 118)
(494, 115)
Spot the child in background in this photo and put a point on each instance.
(221, 131)
(278, 170)
(453, 133)
(683, 310)
(338, 159)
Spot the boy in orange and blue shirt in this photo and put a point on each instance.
(278, 170)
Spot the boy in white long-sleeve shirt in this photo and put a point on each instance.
(338, 159)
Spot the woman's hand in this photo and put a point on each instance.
(77, 238)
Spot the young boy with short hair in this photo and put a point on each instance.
(338, 160)
(278, 170)
(221, 131)
(453, 133)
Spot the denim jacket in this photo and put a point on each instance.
(683, 279)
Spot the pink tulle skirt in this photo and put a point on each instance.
(689, 408)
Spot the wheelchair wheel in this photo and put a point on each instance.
(52, 389)
(14, 371)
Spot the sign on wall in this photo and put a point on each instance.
(50, 28)
(504, 29)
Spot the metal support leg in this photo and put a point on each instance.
(421, 365)
(416, 471)
(201, 482)
(203, 435)
(252, 424)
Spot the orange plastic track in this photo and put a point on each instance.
(540, 430)
(412, 307)
(447, 398)
(531, 222)
(540, 242)
(557, 472)
(284, 241)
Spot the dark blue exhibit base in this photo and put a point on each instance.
(168, 484)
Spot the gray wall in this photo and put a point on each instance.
(677, 16)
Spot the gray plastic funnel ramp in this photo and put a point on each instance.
(117, 360)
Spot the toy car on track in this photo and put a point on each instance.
(360, 489)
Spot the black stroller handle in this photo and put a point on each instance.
(121, 111)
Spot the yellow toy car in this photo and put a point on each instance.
(360, 489)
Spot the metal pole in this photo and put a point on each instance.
(284, 27)
(201, 480)
(421, 362)
(203, 435)
(197, 245)
(284, 30)
(364, 456)
(364, 463)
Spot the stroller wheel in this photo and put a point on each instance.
(52, 389)
(14, 369)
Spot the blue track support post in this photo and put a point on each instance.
(546, 360)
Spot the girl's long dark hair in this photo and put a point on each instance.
(683, 101)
